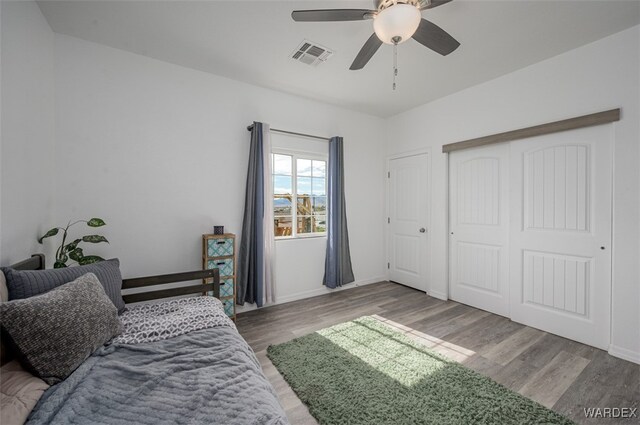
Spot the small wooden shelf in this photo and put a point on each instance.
(219, 252)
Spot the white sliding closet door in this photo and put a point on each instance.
(479, 227)
(561, 233)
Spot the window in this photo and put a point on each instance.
(299, 195)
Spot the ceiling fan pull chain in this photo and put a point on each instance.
(395, 64)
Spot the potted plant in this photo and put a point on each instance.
(71, 250)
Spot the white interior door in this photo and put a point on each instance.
(408, 219)
(478, 224)
(561, 233)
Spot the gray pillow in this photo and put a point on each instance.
(27, 283)
(53, 333)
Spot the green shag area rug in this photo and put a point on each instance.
(364, 372)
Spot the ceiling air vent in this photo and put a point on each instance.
(311, 53)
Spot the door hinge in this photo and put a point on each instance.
(388, 220)
(388, 265)
(388, 174)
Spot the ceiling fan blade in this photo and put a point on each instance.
(366, 53)
(435, 38)
(332, 15)
(434, 3)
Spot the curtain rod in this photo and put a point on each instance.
(293, 133)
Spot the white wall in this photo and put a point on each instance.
(27, 130)
(600, 76)
(160, 153)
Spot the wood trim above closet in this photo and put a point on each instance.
(604, 117)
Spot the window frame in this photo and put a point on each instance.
(296, 154)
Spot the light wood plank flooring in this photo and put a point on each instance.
(559, 373)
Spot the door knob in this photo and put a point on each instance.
(422, 230)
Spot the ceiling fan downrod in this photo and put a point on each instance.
(395, 61)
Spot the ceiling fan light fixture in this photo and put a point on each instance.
(397, 23)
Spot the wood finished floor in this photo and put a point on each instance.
(561, 374)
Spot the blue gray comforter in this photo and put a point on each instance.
(210, 376)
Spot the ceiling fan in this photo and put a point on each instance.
(394, 22)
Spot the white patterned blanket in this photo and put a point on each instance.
(168, 319)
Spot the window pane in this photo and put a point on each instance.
(281, 205)
(282, 185)
(305, 224)
(282, 164)
(304, 185)
(319, 186)
(319, 205)
(304, 205)
(304, 167)
(320, 222)
(282, 226)
(319, 168)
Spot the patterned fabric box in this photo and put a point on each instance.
(221, 247)
(229, 307)
(224, 264)
(226, 288)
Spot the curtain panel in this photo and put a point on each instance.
(255, 255)
(337, 269)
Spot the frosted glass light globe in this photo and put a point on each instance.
(400, 20)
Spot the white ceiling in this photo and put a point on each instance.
(251, 41)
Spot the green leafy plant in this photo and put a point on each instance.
(71, 250)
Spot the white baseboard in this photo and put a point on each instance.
(437, 294)
(324, 290)
(624, 354)
(313, 293)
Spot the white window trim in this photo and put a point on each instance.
(296, 154)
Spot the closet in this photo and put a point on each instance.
(530, 231)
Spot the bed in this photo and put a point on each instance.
(179, 361)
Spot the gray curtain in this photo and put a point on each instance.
(337, 265)
(250, 255)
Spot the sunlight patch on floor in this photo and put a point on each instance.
(384, 351)
(447, 349)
